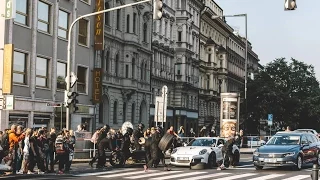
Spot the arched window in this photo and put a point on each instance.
(145, 32)
(107, 14)
(133, 64)
(116, 68)
(115, 109)
(133, 113)
(124, 112)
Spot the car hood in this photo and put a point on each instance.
(191, 149)
(278, 148)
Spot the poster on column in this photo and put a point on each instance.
(229, 114)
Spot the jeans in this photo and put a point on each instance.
(50, 161)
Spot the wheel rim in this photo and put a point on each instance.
(299, 163)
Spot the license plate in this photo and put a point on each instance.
(183, 158)
(270, 160)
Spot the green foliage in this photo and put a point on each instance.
(288, 90)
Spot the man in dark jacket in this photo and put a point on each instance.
(103, 142)
(154, 149)
(125, 143)
(227, 150)
(138, 133)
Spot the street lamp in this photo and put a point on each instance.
(246, 53)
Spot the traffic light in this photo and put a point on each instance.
(290, 5)
(71, 100)
(157, 9)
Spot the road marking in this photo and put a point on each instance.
(178, 175)
(205, 176)
(236, 176)
(267, 177)
(153, 174)
(125, 174)
(299, 177)
(244, 168)
(105, 172)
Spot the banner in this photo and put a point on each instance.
(97, 85)
(98, 26)
(229, 114)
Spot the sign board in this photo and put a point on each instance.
(54, 104)
(97, 85)
(7, 69)
(82, 135)
(10, 9)
(158, 110)
(98, 26)
(8, 102)
(270, 119)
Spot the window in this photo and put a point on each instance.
(63, 24)
(20, 68)
(133, 67)
(107, 61)
(101, 113)
(82, 79)
(22, 12)
(145, 71)
(83, 32)
(133, 112)
(165, 28)
(145, 32)
(42, 72)
(115, 109)
(116, 68)
(134, 22)
(118, 19)
(170, 31)
(107, 14)
(127, 71)
(179, 36)
(61, 75)
(43, 16)
(209, 58)
(141, 71)
(124, 112)
(128, 23)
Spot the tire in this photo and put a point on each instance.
(166, 142)
(258, 167)
(212, 161)
(236, 158)
(197, 166)
(318, 159)
(298, 164)
(116, 159)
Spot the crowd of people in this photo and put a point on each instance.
(24, 148)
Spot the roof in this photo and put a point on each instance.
(291, 132)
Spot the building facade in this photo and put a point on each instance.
(39, 34)
(126, 61)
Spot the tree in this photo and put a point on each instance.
(288, 90)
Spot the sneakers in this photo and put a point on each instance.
(60, 172)
(19, 172)
(40, 172)
(29, 172)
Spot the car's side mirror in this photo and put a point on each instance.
(220, 146)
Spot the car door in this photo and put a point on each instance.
(305, 148)
(219, 149)
(313, 147)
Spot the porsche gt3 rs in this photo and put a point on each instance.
(201, 152)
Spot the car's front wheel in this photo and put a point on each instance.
(298, 164)
(212, 161)
(258, 167)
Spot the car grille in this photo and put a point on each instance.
(271, 155)
(183, 161)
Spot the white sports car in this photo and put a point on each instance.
(201, 152)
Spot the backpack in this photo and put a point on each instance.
(60, 147)
(5, 141)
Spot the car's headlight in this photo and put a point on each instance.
(174, 151)
(203, 151)
(256, 153)
(289, 154)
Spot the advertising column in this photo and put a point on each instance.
(229, 114)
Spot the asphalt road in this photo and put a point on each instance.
(245, 171)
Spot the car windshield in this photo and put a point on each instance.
(284, 140)
(202, 142)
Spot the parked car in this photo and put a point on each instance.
(201, 152)
(288, 149)
(309, 131)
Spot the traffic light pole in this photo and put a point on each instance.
(68, 79)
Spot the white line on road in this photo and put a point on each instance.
(267, 177)
(299, 177)
(153, 174)
(236, 176)
(178, 175)
(205, 176)
(105, 172)
(125, 174)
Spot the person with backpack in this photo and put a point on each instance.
(61, 151)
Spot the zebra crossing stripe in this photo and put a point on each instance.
(299, 177)
(267, 177)
(237, 176)
(125, 174)
(178, 175)
(146, 174)
(206, 176)
(105, 172)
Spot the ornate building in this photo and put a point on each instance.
(126, 64)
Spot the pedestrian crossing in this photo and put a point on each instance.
(180, 174)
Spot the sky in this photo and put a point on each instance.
(275, 33)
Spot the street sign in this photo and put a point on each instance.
(54, 104)
(73, 79)
(10, 9)
(7, 102)
(158, 110)
(270, 119)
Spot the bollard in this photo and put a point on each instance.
(315, 172)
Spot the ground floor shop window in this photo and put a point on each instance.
(40, 121)
(19, 119)
(86, 123)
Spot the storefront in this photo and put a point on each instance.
(18, 119)
(169, 118)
